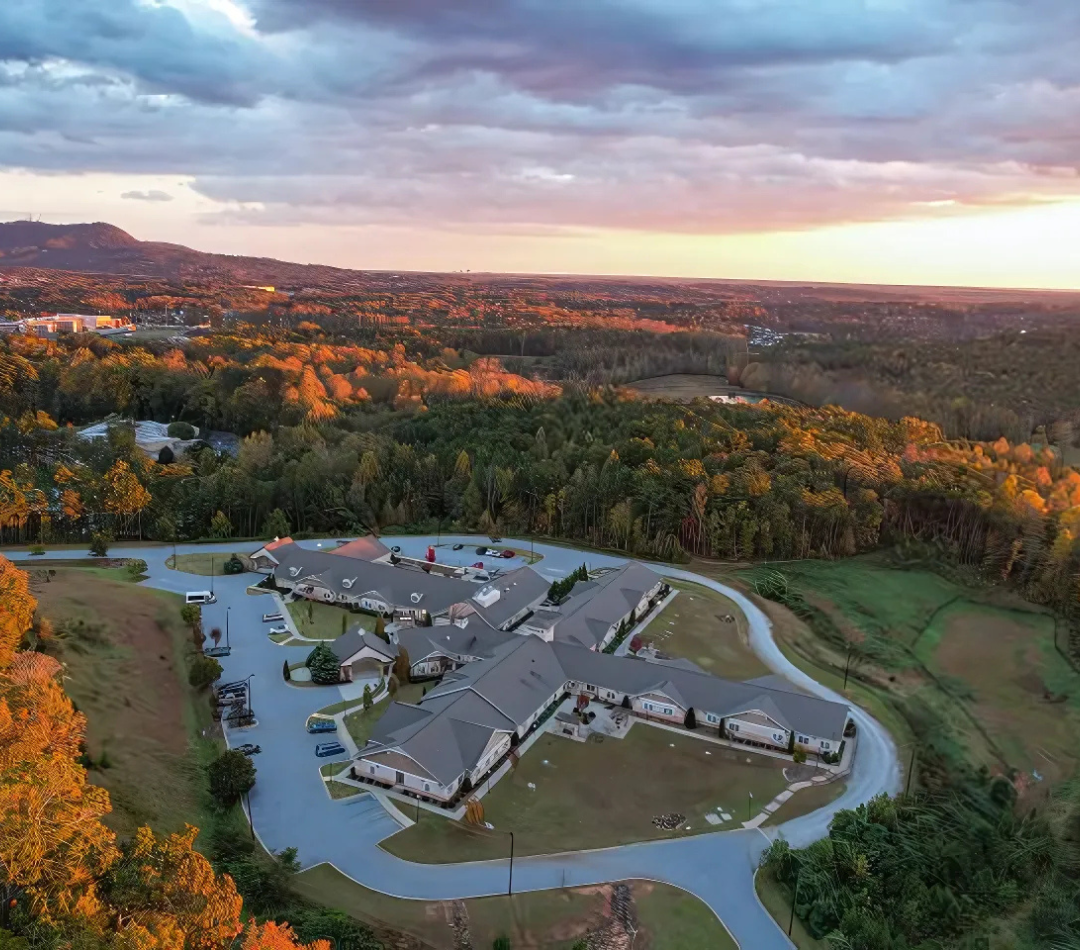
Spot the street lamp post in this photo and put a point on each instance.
(847, 666)
(510, 888)
(251, 707)
(211, 573)
(228, 613)
(749, 805)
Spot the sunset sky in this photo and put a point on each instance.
(903, 141)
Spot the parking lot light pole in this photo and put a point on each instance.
(228, 613)
(251, 708)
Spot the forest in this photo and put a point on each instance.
(336, 439)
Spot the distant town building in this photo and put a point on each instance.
(76, 323)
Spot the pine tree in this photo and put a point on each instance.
(324, 665)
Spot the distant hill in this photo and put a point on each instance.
(106, 249)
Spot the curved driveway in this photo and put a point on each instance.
(290, 806)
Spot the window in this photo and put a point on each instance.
(734, 726)
(803, 740)
(710, 717)
(668, 711)
(427, 787)
(825, 745)
(371, 769)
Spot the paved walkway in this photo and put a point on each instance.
(290, 806)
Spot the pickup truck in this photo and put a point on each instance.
(270, 618)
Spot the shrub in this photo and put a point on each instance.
(501, 943)
(234, 565)
(368, 701)
(285, 671)
(166, 456)
(324, 666)
(690, 721)
(204, 671)
(136, 568)
(184, 431)
(380, 628)
(221, 526)
(99, 544)
(231, 775)
(799, 755)
(635, 643)
(37, 549)
(626, 704)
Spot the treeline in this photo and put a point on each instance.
(489, 451)
(1008, 384)
(67, 881)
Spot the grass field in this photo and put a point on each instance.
(126, 670)
(324, 621)
(667, 918)
(982, 658)
(692, 626)
(206, 565)
(777, 901)
(594, 795)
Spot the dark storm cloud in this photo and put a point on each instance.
(683, 115)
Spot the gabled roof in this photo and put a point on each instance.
(368, 548)
(450, 640)
(355, 639)
(594, 605)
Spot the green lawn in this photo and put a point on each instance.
(691, 626)
(595, 795)
(324, 621)
(362, 722)
(669, 919)
(204, 564)
(982, 658)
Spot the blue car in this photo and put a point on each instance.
(321, 725)
(324, 749)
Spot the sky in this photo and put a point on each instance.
(884, 141)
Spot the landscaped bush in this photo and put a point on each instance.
(799, 755)
(184, 431)
(204, 671)
(231, 775)
(324, 666)
(99, 544)
(234, 565)
(37, 549)
(136, 568)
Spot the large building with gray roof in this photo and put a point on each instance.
(462, 729)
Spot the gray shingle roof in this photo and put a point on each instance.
(355, 639)
(806, 714)
(517, 590)
(394, 584)
(594, 605)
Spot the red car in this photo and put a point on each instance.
(479, 564)
(506, 553)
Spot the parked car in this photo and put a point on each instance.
(270, 618)
(324, 749)
(396, 549)
(506, 553)
(479, 565)
(481, 550)
(495, 539)
(458, 546)
(249, 749)
(321, 725)
(279, 629)
(199, 597)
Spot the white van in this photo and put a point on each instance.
(199, 597)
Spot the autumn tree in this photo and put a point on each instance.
(274, 936)
(221, 526)
(18, 609)
(163, 890)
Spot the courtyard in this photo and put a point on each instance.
(570, 796)
(325, 621)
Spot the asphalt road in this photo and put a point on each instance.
(290, 807)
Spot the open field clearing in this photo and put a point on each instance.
(125, 650)
(665, 917)
(694, 626)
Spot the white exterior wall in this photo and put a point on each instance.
(415, 783)
(658, 707)
(523, 728)
(815, 743)
(755, 732)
